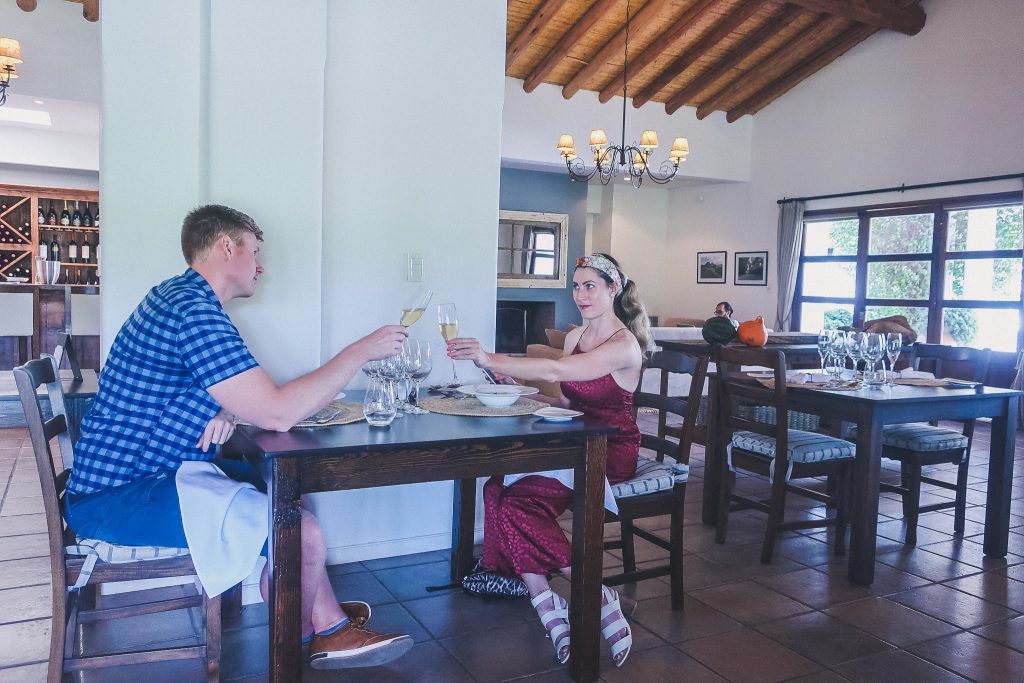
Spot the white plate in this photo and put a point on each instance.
(17, 279)
(553, 414)
(761, 375)
(497, 390)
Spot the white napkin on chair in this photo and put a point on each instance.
(225, 523)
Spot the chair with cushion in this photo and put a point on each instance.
(775, 451)
(920, 445)
(78, 565)
(659, 487)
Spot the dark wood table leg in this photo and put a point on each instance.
(714, 451)
(463, 525)
(864, 497)
(587, 550)
(1000, 479)
(285, 571)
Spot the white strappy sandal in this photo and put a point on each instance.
(558, 632)
(611, 606)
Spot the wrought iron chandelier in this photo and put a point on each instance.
(10, 54)
(633, 162)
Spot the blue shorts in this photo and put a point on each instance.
(144, 512)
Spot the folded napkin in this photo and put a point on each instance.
(805, 377)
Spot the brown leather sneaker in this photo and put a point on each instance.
(357, 612)
(354, 646)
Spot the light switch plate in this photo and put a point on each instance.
(414, 268)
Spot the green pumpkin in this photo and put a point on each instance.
(718, 330)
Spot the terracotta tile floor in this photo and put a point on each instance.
(940, 612)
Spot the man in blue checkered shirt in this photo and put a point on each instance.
(177, 374)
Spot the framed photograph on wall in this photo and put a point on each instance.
(711, 267)
(751, 268)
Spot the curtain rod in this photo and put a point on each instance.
(902, 188)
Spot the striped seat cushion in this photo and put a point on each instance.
(802, 447)
(651, 477)
(922, 437)
(100, 551)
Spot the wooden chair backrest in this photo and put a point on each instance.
(736, 389)
(673, 362)
(962, 362)
(29, 378)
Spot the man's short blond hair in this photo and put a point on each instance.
(205, 224)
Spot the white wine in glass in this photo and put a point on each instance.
(413, 309)
(448, 321)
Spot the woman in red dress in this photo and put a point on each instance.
(599, 369)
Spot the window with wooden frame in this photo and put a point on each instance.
(951, 266)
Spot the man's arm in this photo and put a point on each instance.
(255, 397)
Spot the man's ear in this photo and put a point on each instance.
(227, 245)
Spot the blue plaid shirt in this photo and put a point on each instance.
(153, 403)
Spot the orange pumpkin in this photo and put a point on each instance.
(753, 332)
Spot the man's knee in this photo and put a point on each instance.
(312, 537)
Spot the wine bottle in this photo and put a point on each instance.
(44, 248)
(76, 217)
(96, 218)
(72, 250)
(65, 217)
(87, 219)
(42, 215)
(85, 249)
(51, 216)
(55, 249)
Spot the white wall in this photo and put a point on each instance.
(15, 174)
(317, 139)
(945, 104)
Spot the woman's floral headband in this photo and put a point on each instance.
(602, 263)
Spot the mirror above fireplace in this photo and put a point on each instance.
(532, 249)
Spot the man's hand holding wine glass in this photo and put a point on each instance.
(383, 342)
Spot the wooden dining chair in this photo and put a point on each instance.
(919, 445)
(775, 451)
(78, 565)
(659, 487)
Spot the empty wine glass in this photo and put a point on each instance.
(854, 340)
(371, 369)
(448, 321)
(379, 404)
(824, 342)
(414, 307)
(893, 345)
(838, 353)
(392, 370)
(423, 364)
(873, 350)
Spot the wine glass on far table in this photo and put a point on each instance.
(824, 343)
(854, 341)
(448, 321)
(893, 345)
(414, 307)
(838, 352)
(873, 350)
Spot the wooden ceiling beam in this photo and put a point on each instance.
(834, 49)
(647, 14)
(567, 42)
(531, 30)
(674, 32)
(728, 24)
(877, 13)
(741, 51)
(768, 62)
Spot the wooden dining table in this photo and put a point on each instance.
(425, 448)
(870, 409)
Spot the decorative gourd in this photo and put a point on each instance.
(753, 332)
(718, 330)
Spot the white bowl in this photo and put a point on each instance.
(498, 396)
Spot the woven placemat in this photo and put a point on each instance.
(852, 385)
(347, 413)
(472, 407)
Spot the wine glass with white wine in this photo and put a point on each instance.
(414, 307)
(448, 321)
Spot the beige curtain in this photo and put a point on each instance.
(791, 232)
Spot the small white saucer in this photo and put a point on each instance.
(553, 414)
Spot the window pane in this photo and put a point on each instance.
(543, 265)
(917, 316)
(999, 227)
(544, 241)
(829, 279)
(831, 238)
(981, 328)
(815, 317)
(983, 279)
(910, 234)
(899, 280)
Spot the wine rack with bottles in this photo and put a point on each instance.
(60, 227)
